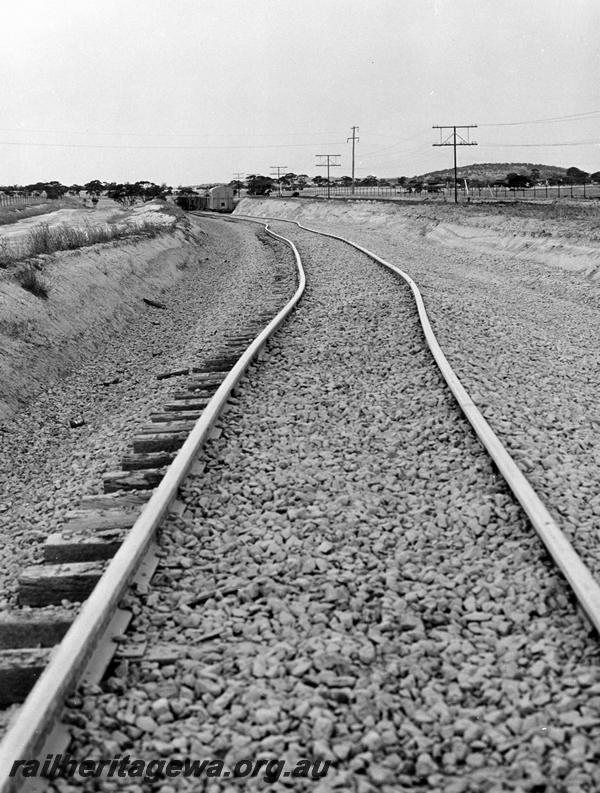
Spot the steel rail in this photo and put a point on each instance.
(34, 720)
(566, 558)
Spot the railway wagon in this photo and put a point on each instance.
(220, 198)
(191, 202)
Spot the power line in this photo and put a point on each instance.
(391, 135)
(594, 142)
(172, 148)
(165, 134)
(385, 152)
(400, 143)
(377, 152)
(574, 117)
(457, 140)
(175, 134)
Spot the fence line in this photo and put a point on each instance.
(19, 200)
(447, 193)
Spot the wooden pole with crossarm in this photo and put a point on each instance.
(451, 140)
(330, 162)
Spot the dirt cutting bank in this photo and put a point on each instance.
(555, 235)
(92, 294)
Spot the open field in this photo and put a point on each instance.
(15, 211)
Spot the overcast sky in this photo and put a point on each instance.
(190, 91)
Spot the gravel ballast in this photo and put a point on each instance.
(47, 463)
(522, 336)
(352, 582)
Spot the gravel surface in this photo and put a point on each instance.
(47, 465)
(523, 338)
(381, 603)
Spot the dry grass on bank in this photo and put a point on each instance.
(18, 252)
(43, 238)
(46, 239)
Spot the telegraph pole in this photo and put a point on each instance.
(454, 139)
(238, 177)
(354, 140)
(329, 163)
(279, 169)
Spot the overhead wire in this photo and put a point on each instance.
(157, 146)
(163, 134)
(395, 150)
(590, 114)
(594, 142)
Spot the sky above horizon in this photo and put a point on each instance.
(193, 91)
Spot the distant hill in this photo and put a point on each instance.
(492, 171)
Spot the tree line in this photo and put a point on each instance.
(257, 184)
(572, 176)
(127, 193)
(124, 193)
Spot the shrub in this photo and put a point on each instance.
(32, 280)
(173, 209)
(40, 239)
(6, 252)
(67, 238)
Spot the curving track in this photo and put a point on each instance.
(70, 659)
(350, 578)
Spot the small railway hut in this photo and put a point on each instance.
(220, 198)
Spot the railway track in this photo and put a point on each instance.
(358, 584)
